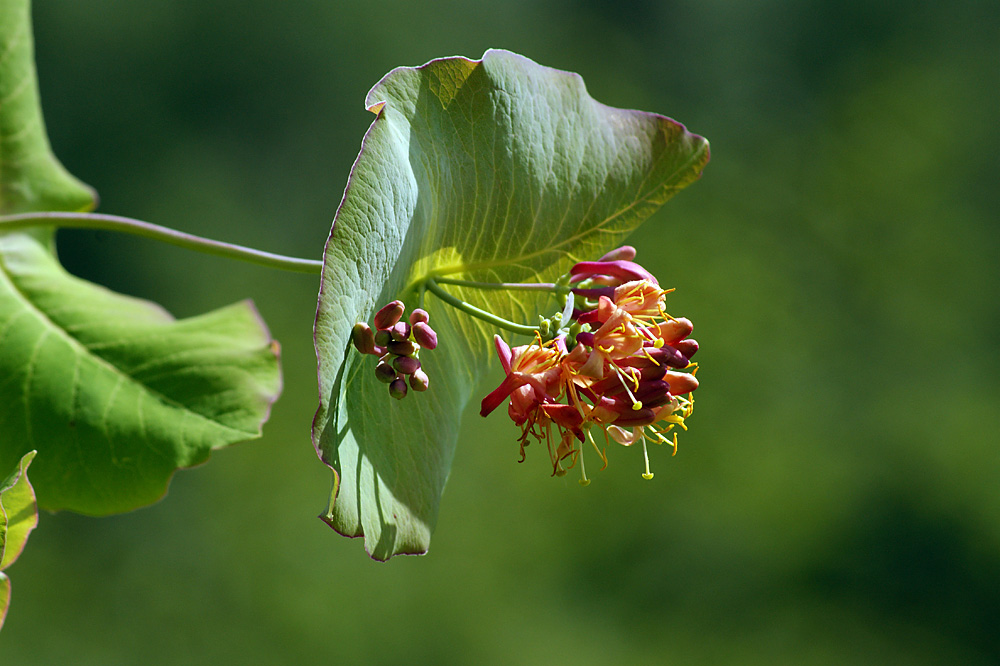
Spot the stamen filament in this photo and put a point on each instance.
(645, 454)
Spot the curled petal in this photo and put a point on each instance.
(503, 351)
(624, 437)
(498, 395)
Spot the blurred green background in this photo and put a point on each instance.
(837, 498)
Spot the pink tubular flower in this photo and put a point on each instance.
(534, 368)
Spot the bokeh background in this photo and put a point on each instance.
(837, 499)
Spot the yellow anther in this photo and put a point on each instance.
(637, 405)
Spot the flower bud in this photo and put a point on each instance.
(418, 316)
(397, 389)
(400, 331)
(688, 347)
(382, 338)
(406, 348)
(363, 338)
(389, 315)
(385, 372)
(425, 335)
(419, 380)
(681, 382)
(623, 253)
(675, 329)
(406, 365)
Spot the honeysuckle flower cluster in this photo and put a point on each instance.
(622, 366)
(612, 361)
(397, 345)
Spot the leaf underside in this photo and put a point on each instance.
(112, 391)
(490, 170)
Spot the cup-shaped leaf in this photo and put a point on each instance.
(496, 170)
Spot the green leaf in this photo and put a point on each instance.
(31, 178)
(112, 391)
(18, 516)
(18, 512)
(492, 170)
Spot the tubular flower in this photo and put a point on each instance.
(629, 372)
(534, 386)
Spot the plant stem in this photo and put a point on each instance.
(472, 310)
(506, 286)
(158, 233)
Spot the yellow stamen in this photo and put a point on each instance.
(636, 404)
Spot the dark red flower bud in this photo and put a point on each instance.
(363, 338)
(407, 365)
(385, 372)
(636, 417)
(400, 331)
(418, 316)
(425, 335)
(397, 389)
(389, 315)
(419, 381)
(407, 347)
(688, 347)
(613, 384)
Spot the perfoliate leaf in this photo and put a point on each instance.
(18, 516)
(497, 170)
(111, 390)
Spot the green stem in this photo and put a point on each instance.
(506, 286)
(158, 233)
(472, 310)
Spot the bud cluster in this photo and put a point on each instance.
(397, 344)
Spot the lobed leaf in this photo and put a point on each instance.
(493, 170)
(112, 391)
